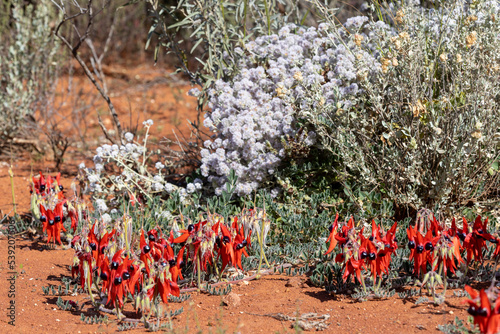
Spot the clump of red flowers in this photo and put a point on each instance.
(51, 207)
(441, 246)
(358, 252)
(150, 265)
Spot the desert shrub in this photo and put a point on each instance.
(402, 102)
(134, 171)
(28, 57)
(423, 126)
(248, 119)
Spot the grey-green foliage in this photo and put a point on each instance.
(459, 327)
(216, 27)
(426, 129)
(27, 55)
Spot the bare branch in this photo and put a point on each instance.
(102, 89)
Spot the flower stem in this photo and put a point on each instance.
(260, 239)
(379, 282)
(89, 284)
(268, 16)
(363, 283)
(260, 260)
(198, 269)
(493, 279)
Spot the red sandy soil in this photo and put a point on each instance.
(269, 295)
(168, 105)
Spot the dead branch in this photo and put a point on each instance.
(101, 88)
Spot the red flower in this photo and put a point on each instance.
(447, 248)
(40, 184)
(175, 268)
(145, 256)
(52, 222)
(165, 287)
(117, 286)
(85, 257)
(226, 250)
(136, 277)
(487, 319)
(105, 274)
(475, 241)
(333, 233)
(353, 266)
(239, 244)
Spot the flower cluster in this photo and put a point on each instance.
(149, 264)
(135, 180)
(357, 251)
(438, 243)
(441, 247)
(254, 111)
(52, 208)
(210, 236)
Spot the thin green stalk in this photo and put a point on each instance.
(261, 256)
(260, 265)
(245, 18)
(198, 269)
(363, 283)
(118, 313)
(268, 16)
(379, 283)
(260, 239)
(89, 284)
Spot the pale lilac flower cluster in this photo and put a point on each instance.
(253, 113)
(100, 205)
(129, 136)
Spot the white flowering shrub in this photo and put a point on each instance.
(131, 171)
(424, 128)
(255, 113)
(403, 100)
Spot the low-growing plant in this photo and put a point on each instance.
(128, 265)
(128, 171)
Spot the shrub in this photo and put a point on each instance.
(221, 32)
(423, 127)
(132, 171)
(27, 64)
